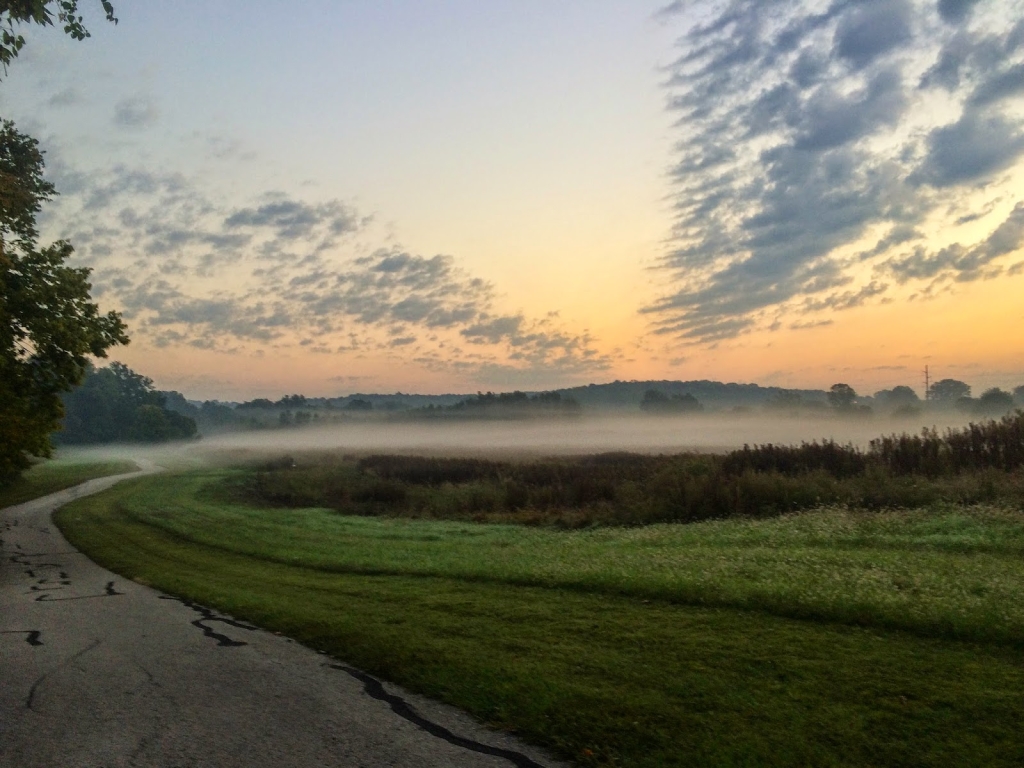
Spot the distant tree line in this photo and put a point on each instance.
(501, 405)
(656, 401)
(116, 404)
(904, 401)
(957, 394)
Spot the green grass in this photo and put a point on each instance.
(955, 572)
(55, 475)
(658, 646)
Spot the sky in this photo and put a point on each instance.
(460, 196)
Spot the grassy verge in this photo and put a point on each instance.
(950, 572)
(581, 641)
(51, 476)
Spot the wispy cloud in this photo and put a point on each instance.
(284, 272)
(135, 112)
(806, 128)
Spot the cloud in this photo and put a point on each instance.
(805, 325)
(970, 149)
(493, 330)
(135, 112)
(870, 30)
(295, 219)
(224, 147)
(960, 262)
(845, 299)
(955, 11)
(998, 86)
(806, 129)
(285, 272)
(829, 119)
(64, 97)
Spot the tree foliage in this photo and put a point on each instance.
(14, 13)
(898, 396)
(48, 324)
(949, 390)
(841, 396)
(994, 402)
(656, 401)
(116, 404)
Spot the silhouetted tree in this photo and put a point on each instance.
(656, 401)
(898, 396)
(516, 402)
(784, 398)
(949, 391)
(41, 12)
(841, 396)
(117, 404)
(258, 403)
(48, 322)
(994, 402)
(49, 325)
(175, 401)
(218, 414)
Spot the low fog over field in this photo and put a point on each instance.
(594, 434)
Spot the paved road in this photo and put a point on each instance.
(99, 672)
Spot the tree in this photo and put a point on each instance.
(949, 390)
(42, 12)
(656, 401)
(216, 414)
(841, 396)
(260, 403)
(994, 402)
(784, 398)
(175, 401)
(117, 404)
(48, 324)
(1018, 394)
(898, 396)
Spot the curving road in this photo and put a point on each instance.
(97, 671)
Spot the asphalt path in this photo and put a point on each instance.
(97, 671)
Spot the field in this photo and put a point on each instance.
(832, 636)
(54, 475)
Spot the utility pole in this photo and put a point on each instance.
(927, 385)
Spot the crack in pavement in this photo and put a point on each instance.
(31, 635)
(30, 699)
(109, 591)
(209, 615)
(22, 559)
(45, 554)
(375, 689)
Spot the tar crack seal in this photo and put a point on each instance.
(209, 615)
(108, 591)
(31, 635)
(403, 709)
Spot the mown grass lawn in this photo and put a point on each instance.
(56, 475)
(663, 645)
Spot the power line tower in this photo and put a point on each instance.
(927, 385)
